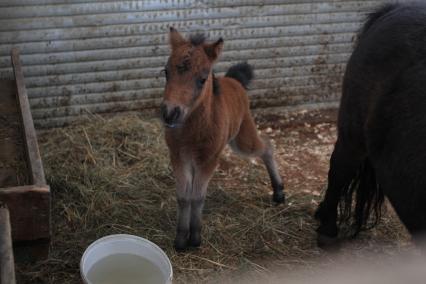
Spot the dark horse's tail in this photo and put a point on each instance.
(242, 72)
(369, 198)
(364, 189)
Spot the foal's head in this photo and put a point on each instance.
(188, 73)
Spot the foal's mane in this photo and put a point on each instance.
(216, 87)
(197, 40)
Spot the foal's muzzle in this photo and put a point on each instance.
(170, 115)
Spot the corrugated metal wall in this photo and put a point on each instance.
(87, 56)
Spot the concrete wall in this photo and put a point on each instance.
(86, 56)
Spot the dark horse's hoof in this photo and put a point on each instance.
(327, 237)
(278, 197)
(328, 243)
(327, 232)
(320, 212)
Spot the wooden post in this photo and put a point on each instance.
(7, 266)
(33, 153)
(29, 208)
(29, 205)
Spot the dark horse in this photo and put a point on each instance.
(202, 114)
(381, 145)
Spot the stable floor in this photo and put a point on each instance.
(112, 175)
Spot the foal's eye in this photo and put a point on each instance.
(200, 82)
(166, 74)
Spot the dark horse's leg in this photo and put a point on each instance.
(406, 192)
(412, 212)
(344, 164)
(248, 142)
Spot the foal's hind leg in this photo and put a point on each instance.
(248, 142)
(344, 164)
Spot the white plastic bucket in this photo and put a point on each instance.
(125, 244)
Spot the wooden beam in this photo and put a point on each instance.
(7, 265)
(29, 208)
(33, 154)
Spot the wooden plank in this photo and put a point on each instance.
(28, 201)
(34, 159)
(29, 207)
(7, 266)
(13, 160)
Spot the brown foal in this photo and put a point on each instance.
(201, 115)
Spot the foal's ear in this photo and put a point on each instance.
(213, 50)
(175, 38)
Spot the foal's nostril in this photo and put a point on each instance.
(170, 116)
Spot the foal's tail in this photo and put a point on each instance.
(369, 198)
(242, 72)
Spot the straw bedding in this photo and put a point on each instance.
(112, 175)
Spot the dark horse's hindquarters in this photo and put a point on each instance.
(381, 145)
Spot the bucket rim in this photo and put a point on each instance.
(124, 236)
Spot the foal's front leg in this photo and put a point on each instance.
(202, 176)
(191, 189)
(183, 176)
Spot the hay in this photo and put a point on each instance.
(13, 163)
(113, 176)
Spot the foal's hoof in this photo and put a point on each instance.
(278, 197)
(194, 241)
(180, 244)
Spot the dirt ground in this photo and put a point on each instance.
(113, 176)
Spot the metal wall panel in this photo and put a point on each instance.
(87, 56)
